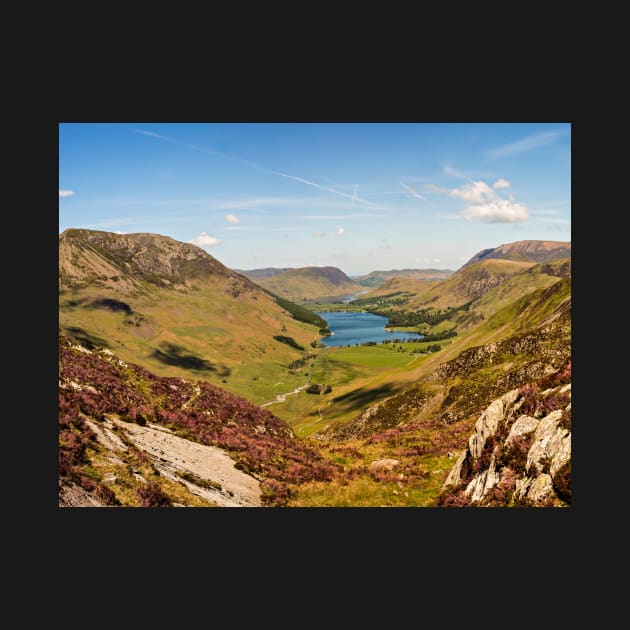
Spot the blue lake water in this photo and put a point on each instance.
(350, 328)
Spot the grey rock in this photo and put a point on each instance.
(523, 426)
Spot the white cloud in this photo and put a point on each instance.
(231, 218)
(319, 234)
(484, 203)
(66, 193)
(426, 261)
(205, 240)
(341, 231)
(497, 211)
(119, 232)
(475, 192)
(526, 144)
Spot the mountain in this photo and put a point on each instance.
(310, 283)
(525, 251)
(130, 438)
(377, 278)
(178, 311)
(261, 274)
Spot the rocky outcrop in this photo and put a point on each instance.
(518, 454)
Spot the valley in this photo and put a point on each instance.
(245, 362)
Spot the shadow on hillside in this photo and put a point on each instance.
(362, 396)
(86, 339)
(112, 305)
(172, 354)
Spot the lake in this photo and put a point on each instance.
(350, 328)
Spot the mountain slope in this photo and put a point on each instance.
(523, 341)
(128, 437)
(308, 283)
(377, 278)
(525, 251)
(176, 310)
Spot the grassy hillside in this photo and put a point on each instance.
(310, 283)
(176, 310)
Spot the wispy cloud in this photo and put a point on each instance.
(526, 144)
(453, 172)
(205, 240)
(66, 193)
(412, 192)
(231, 218)
(501, 183)
(320, 234)
(337, 217)
(427, 261)
(341, 231)
(354, 197)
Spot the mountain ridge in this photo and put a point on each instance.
(524, 251)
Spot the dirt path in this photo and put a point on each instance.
(280, 398)
(171, 453)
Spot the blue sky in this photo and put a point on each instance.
(360, 196)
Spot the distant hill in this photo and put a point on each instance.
(174, 309)
(261, 274)
(308, 283)
(377, 278)
(525, 251)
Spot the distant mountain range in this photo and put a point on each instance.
(377, 278)
(261, 274)
(308, 283)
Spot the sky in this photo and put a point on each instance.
(358, 196)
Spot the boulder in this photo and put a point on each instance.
(480, 484)
(548, 441)
(488, 422)
(541, 489)
(522, 426)
(454, 477)
(383, 464)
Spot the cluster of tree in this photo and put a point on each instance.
(300, 313)
(430, 316)
(289, 341)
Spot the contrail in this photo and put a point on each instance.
(327, 188)
(411, 191)
(353, 197)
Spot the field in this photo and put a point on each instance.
(358, 375)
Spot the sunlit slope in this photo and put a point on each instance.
(176, 310)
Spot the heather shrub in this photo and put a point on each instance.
(151, 495)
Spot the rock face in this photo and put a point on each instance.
(519, 452)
